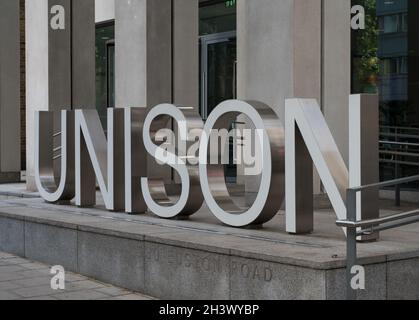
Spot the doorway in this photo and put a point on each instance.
(105, 69)
(218, 70)
(219, 81)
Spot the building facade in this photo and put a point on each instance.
(115, 54)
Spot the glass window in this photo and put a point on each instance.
(218, 61)
(105, 81)
(394, 66)
(391, 24)
(404, 65)
(404, 24)
(111, 74)
(385, 60)
(217, 16)
(388, 66)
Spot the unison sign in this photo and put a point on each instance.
(118, 161)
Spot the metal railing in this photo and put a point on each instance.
(399, 151)
(357, 228)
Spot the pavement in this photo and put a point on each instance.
(21, 279)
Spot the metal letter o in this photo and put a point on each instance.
(270, 133)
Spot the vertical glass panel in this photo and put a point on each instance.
(385, 60)
(218, 61)
(391, 24)
(221, 72)
(111, 75)
(105, 88)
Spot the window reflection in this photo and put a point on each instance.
(105, 69)
(385, 61)
(217, 16)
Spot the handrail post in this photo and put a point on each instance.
(351, 244)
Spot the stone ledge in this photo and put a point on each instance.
(14, 189)
(195, 240)
(322, 256)
(177, 264)
(189, 260)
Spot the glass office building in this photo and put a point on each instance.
(385, 61)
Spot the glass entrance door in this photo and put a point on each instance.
(218, 70)
(219, 79)
(105, 70)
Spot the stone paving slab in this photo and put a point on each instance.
(21, 279)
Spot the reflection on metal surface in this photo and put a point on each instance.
(308, 141)
(135, 160)
(45, 176)
(155, 193)
(100, 159)
(119, 161)
(270, 137)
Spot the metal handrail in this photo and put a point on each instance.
(375, 222)
(400, 128)
(400, 135)
(356, 228)
(395, 153)
(399, 153)
(405, 144)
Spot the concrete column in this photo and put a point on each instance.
(143, 51)
(83, 51)
(308, 57)
(186, 53)
(72, 57)
(9, 92)
(185, 24)
(296, 48)
(143, 54)
(279, 55)
(60, 71)
(265, 55)
(37, 66)
(265, 51)
(157, 52)
(105, 10)
(59, 59)
(337, 69)
(308, 49)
